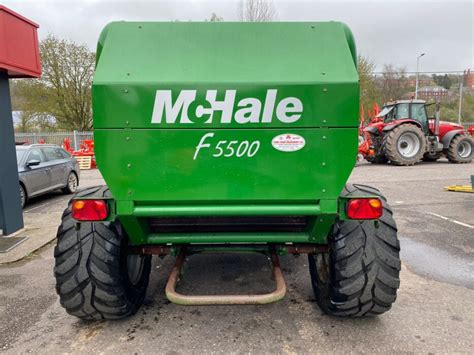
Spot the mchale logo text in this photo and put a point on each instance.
(186, 110)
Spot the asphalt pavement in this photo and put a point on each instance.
(433, 311)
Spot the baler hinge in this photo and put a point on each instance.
(206, 300)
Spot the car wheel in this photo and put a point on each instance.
(71, 184)
(22, 196)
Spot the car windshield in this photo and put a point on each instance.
(20, 153)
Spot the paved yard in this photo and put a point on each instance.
(433, 312)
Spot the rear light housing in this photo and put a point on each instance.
(89, 210)
(364, 208)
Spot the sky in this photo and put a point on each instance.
(395, 32)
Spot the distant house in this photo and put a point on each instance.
(432, 92)
(422, 81)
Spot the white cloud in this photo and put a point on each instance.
(386, 31)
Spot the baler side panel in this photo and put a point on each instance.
(159, 155)
(158, 166)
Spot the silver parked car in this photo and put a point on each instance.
(43, 168)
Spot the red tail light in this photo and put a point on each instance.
(364, 208)
(89, 210)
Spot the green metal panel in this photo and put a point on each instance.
(311, 61)
(158, 166)
(168, 96)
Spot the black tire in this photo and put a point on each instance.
(397, 137)
(379, 156)
(92, 268)
(23, 196)
(432, 157)
(460, 149)
(72, 183)
(359, 276)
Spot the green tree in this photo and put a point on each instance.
(443, 80)
(450, 108)
(368, 88)
(64, 90)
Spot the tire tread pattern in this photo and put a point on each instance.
(390, 145)
(89, 268)
(452, 152)
(363, 264)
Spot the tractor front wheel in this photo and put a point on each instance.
(95, 277)
(359, 276)
(460, 149)
(405, 145)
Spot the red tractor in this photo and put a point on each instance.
(403, 134)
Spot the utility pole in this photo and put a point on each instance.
(417, 65)
(460, 98)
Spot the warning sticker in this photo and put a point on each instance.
(288, 142)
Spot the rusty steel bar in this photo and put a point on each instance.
(150, 250)
(220, 248)
(205, 300)
(305, 248)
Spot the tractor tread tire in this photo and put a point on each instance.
(452, 152)
(390, 145)
(91, 279)
(363, 264)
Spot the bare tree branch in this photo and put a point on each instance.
(257, 10)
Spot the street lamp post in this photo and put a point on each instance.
(417, 65)
(460, 99)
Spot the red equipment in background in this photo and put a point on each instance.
(364, 137)
(86, 150)
(403, 134)
(471, 130)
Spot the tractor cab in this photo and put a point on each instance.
(405, 110)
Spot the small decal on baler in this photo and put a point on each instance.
(288, 142)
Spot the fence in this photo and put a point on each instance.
(75, 137)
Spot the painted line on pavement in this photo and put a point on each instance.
(451, 220)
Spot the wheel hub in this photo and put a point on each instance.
(408, 145)
(72, 182)
(464, 149)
